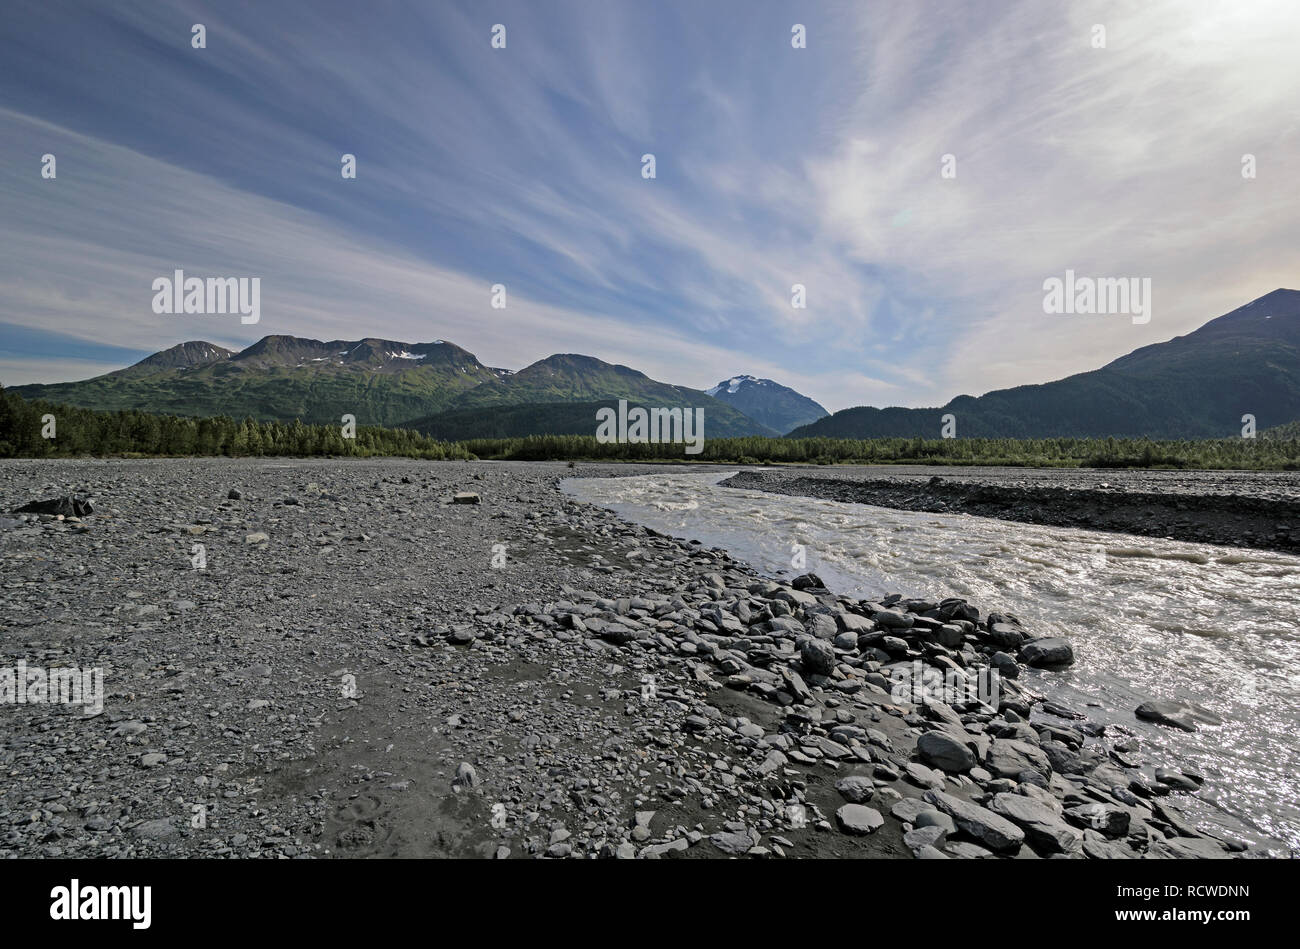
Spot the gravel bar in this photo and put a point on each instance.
(321, 658)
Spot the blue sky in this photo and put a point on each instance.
(521, 166)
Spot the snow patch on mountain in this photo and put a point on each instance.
(733, 384)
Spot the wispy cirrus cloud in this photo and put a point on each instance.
(775, 166)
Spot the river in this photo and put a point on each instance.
(1149, 618)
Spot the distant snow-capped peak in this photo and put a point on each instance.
(733, 384)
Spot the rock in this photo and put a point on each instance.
(774, 761)
(461, 635)
(922, 776)
(1051, 652)
(696, 723)
(894, 645)
(465, 497)
(795, 597)
(1098, 847)
(818, 656)
(955, 608)
(941, 750)
(1189, 848)
(950, 636)
(69, 506)
(258, 537)
(1044, 830)
(965, 850)
(234, 494)
(1182, 715)
(1008, 757)
(158, 829)
(466, 776)
(856, 789)
(807, 580)
(908, 809)
(892, 619)
(1005, 635)
(922, 837)
(823, 627)
(152, 760)
(935, 819)
(1111, 820)
(1006, 665)
(736, 844)
(1177, 780)
(858, 819)
(853, 623)
(655, 851)
(991, 830)
(1065, 760)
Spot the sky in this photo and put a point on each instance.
(774, 166)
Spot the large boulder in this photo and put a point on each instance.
(941, 750)
(1050, 652)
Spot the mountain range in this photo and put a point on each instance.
(436, 388)
(1246, 362)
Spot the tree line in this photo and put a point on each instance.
(24, 427)
(79, 431)
(1240, 453)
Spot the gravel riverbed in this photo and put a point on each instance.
(1229, 508)
(313, 658)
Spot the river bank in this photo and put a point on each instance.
(362, 665)
(1256, 511)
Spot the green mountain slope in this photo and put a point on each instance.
(1193, 386)
(567, 377)
(381, 382)
(554, 418)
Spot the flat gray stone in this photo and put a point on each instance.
(859, 820)
(1044, 830)
(989, 829)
